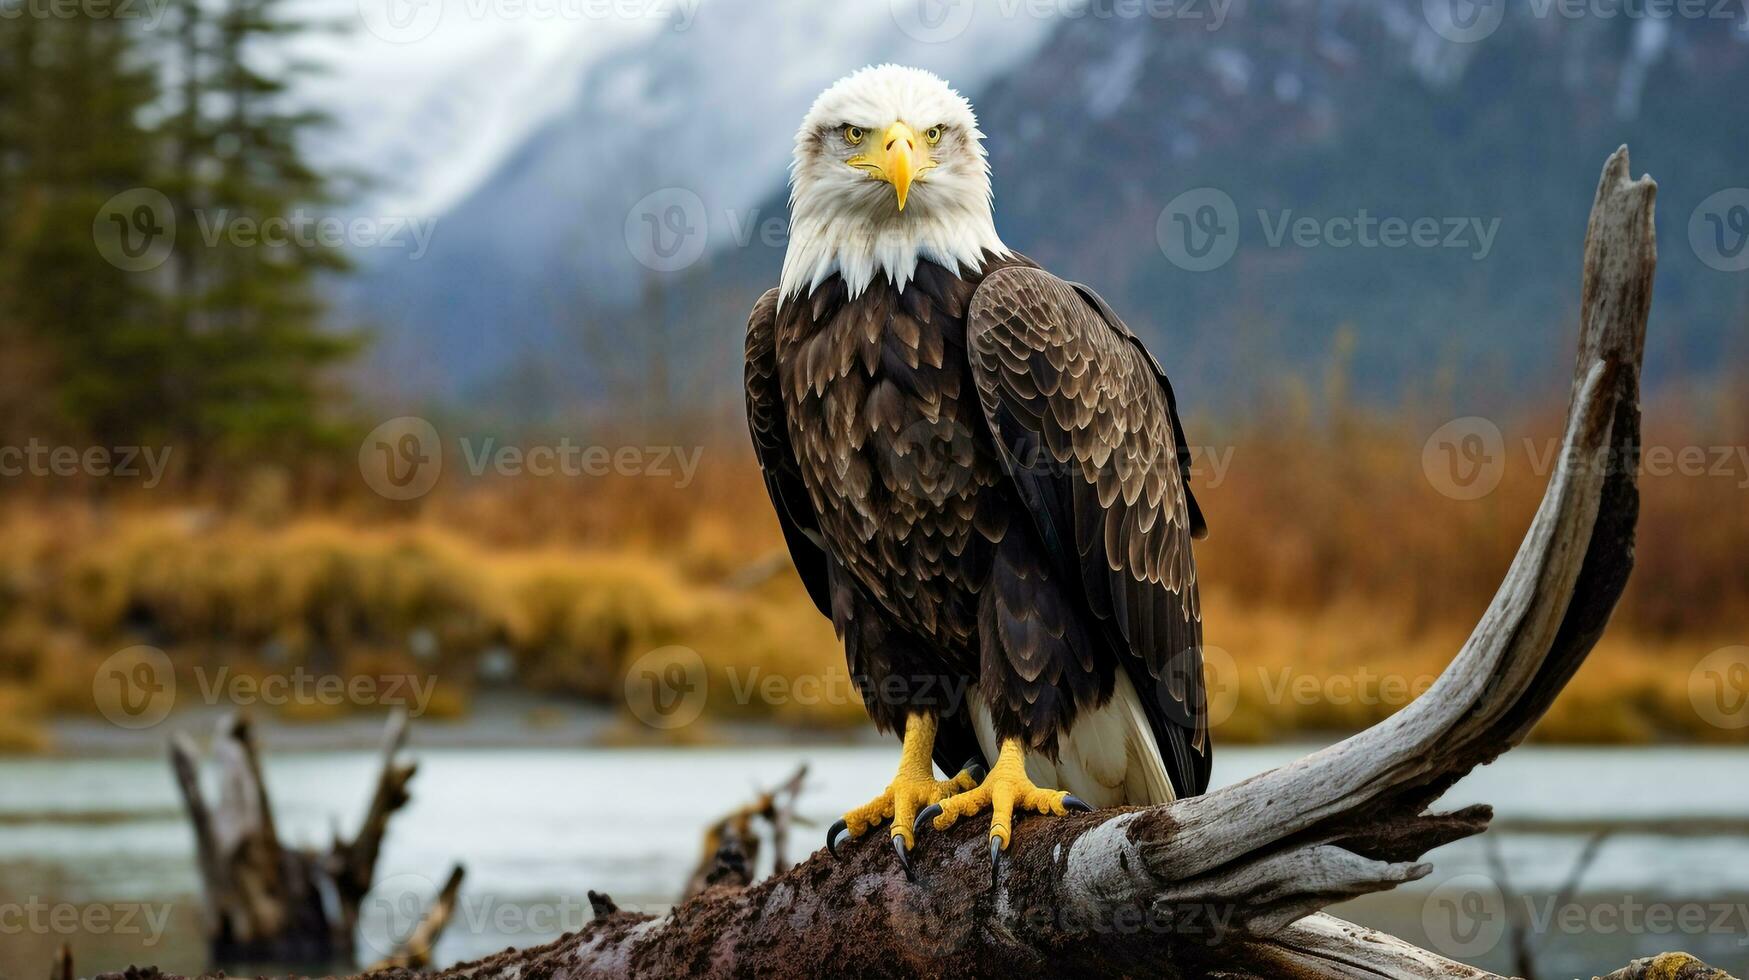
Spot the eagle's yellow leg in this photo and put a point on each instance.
(1004, 791)
(914, 788)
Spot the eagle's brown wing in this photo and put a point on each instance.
(1088, 431)
(870, 635)
(783, 480)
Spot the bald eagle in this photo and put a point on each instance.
(982, 480)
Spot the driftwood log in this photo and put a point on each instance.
(1232, 883)
(265, 901)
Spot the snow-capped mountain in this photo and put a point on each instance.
(532, 142)
(597, 183)
(429, 100)
(1325, 115)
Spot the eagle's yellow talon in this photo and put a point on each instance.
(1006, 790)
(914, 788)
(870, 815)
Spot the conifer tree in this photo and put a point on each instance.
(249, 318)
(73, 139)
(217, 342)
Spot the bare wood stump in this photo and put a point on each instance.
(266, 902)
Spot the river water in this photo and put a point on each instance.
(98, 850)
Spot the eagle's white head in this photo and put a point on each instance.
(889, 168)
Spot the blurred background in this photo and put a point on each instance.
(386, 354)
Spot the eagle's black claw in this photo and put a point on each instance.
(929, 813)
(835, 835)
(1076, 804)
(904, 857)
(975, 768)
(995, 862)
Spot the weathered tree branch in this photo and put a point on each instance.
(352, 864)
(1230, 883)
(415, 953)
(731, 845)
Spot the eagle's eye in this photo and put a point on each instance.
(853, 135)
(933, 135)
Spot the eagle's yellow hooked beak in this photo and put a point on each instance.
(899, 157)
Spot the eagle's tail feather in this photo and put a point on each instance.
(1108, 757)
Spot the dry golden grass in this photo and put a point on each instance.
(20, 718)
(356, 600)
(1337, 583)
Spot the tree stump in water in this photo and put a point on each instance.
(267, 902)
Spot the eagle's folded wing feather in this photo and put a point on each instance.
(1089, 434)
(770, 430)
